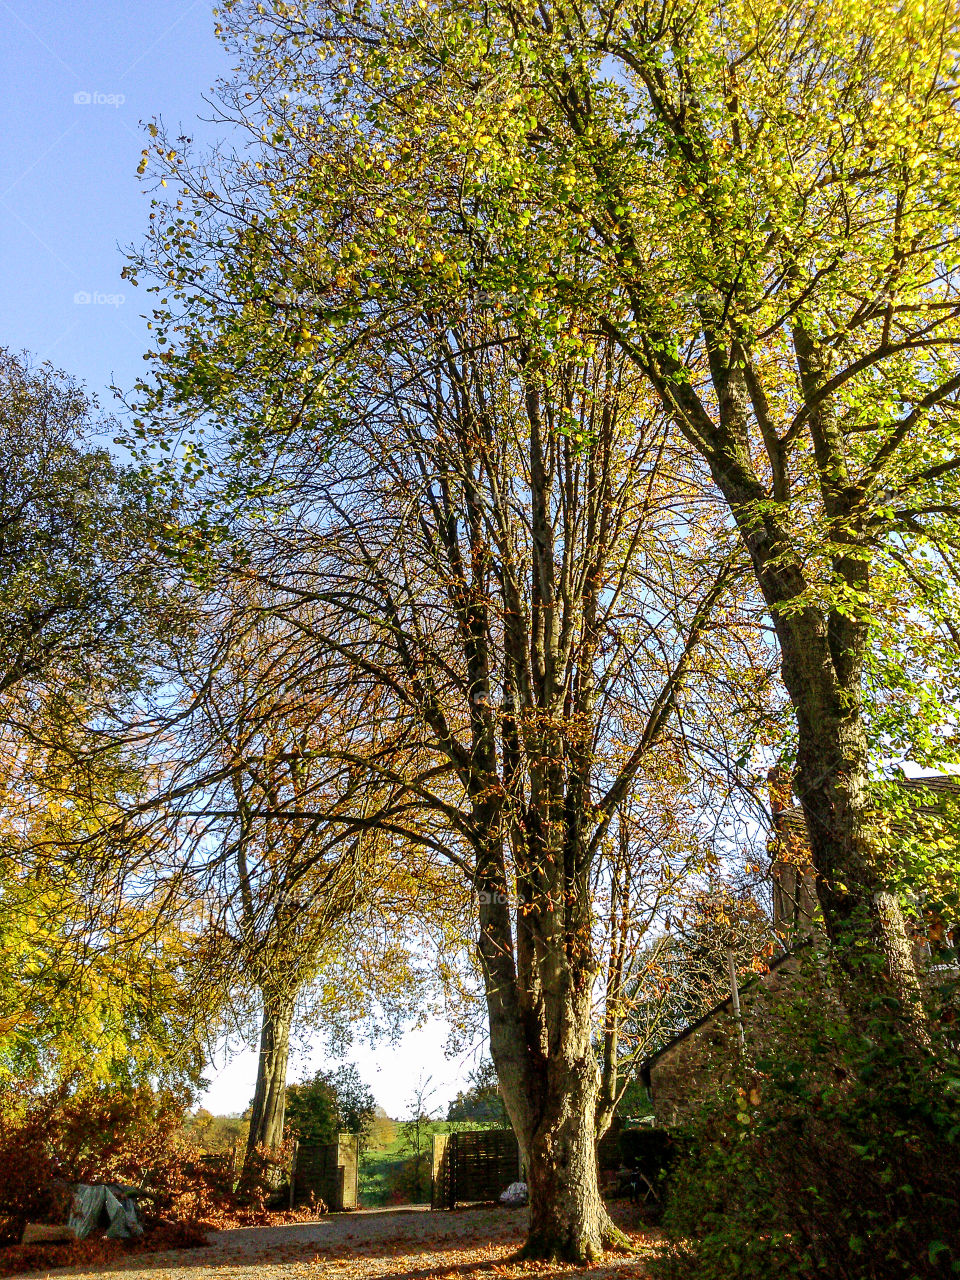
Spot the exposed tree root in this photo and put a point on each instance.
(541, 1246)
(614, 1238)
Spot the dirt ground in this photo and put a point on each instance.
(374, 1244)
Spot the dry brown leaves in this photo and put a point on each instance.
(474, 1244)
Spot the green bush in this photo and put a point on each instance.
(820, 1153)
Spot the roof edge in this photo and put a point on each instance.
(647, 1063)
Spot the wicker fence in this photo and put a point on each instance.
(473, 1165)
(327, 1171)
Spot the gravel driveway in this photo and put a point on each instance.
(370, 1244)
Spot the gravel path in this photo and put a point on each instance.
(371, 1244)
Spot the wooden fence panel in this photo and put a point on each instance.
(329, 1171)
(473, 1165)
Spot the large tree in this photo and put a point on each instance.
(774, 194)
(757, 207)
(97, 981)
(492, 548)
(78, 587)
(299, 893)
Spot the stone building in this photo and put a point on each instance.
(678, 1075)
(680, 1072)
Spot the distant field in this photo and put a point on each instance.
(376, 1168)
(382, 1179)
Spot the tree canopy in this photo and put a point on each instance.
(572, 356)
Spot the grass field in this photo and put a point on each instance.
(382, 1179)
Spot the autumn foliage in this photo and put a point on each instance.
(49, 1140)
(60, 1137)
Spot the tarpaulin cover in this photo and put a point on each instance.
(93, 1205)
(515, 1195)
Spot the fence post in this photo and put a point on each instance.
(293, 1171)
(440, 1141)
(348, 1160)
(453, 1151)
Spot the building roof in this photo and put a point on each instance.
(948, 783)
(792, 818)
(775, 964)
(941, 784)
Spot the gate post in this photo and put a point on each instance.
(439, 1171)
(348, 1163)
(293, 1171)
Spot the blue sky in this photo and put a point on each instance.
(79, 80)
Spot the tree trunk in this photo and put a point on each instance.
(822, 655)
(568, 1221)
(266, 1120)
(549, 1079)
(863, 918)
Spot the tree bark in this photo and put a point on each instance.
(541, 1042)
(568, 1220)
(863, 918)
(822, 656)
(266, 1120)
(567, 1217)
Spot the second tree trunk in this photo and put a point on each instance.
(267, 1115)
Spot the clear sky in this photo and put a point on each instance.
(78, 79)
(78, 82)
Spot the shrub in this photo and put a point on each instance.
(131, 1137)
(96, 1135)
(28, 1168)
(820, 1153)
(406, 1181)
(265, 1175)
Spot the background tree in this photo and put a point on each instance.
(98, 979)
(481, 1101)
(263, 794)
(289, 872)
(651, 852)
(328, 1103)
(416, 1141)
(682, 853)
(78, 597)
